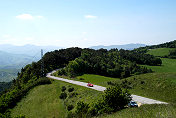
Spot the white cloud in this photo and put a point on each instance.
(84, 33)
(27, 17)
(90, 16)
(39, 16)
(6, 36)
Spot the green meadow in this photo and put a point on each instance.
(160, 51)
(168, 65)
(43, 101)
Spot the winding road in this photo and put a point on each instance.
(139, 99)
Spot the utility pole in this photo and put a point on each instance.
(42, 64)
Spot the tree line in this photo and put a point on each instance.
(113, 63)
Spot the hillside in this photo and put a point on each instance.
(126, 69)
(50, 103)
(161, 52)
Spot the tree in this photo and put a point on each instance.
(116, 97)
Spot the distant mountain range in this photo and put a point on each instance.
(126, 46)
(17, 56)
(29, 50)
(10, 60)
(13, 58)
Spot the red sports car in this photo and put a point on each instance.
(90, 85)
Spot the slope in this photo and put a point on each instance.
(160, 51)
(42, 101)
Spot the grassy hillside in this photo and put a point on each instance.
(168, 65)
(43, 101)
(160, 86)
(160, 51)
(145, 111)
(94, 79)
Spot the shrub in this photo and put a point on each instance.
(100, 107)
(20, 116)
(63, 95)
(116, 98)
(63, 88)
(61, 72)
(70, 107)
(71, 89)
(111, 83)
(81, 109)
(74, 94)
(81, 78)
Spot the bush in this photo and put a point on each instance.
(116, 98)
(81, 78)
(82, 109)
(70, 107)
(61, 72)
(63, 95)
(63, 88)
(71, 89)
(20, 116)
(99, 108)
(74, 94)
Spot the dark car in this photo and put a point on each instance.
(132, 104)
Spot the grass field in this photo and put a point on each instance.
(160, 51)
(168, 65)
(43, 101)
(94, 79)
(145, 111)
(159, 86)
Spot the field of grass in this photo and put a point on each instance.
(168, 65)
(145, 111)
(160, 51)
(43, 101)
(159, 86)
(94, 79)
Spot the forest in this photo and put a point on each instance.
(112, 63)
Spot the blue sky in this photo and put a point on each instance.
(85, 23)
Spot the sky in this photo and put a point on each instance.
(85, 23)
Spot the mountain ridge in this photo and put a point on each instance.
(129, 46)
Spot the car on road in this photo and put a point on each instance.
(132, 104)
(89, 85)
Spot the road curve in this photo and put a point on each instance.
(139, 99)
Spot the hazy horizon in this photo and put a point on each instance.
(79, 23)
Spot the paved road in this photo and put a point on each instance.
(139, 99)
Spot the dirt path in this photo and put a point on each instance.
(139, 99)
